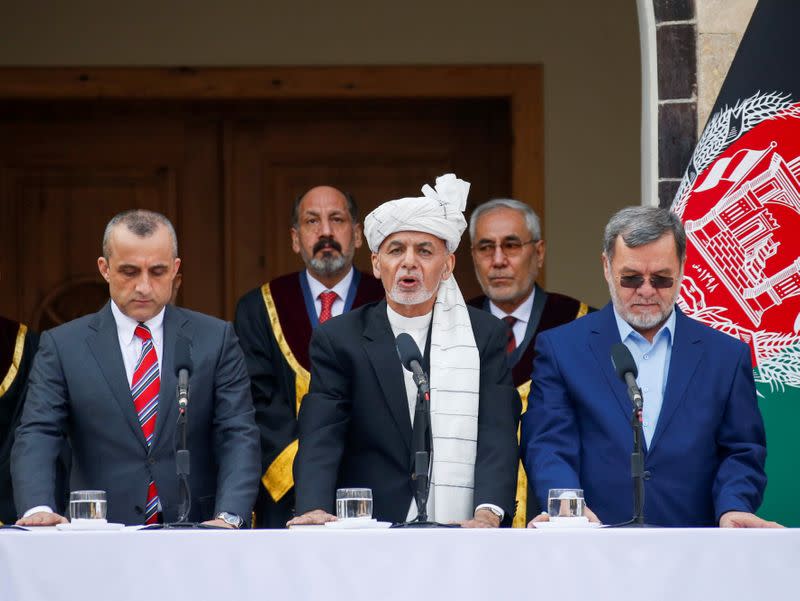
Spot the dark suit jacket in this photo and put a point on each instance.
(78, 387)
(708, 451)
(355, 428)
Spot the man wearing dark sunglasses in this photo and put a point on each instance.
(508, 252)
(704, 438)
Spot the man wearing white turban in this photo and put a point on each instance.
(356, 422)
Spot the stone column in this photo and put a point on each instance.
(676, 36)
(696, 41)
(720, 26)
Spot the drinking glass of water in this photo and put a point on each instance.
(353, 503)
(87, 505)
(565, 503)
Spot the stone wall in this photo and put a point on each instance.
(720, 26)
(696, 41)
(676, 37)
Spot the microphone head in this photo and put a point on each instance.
(623, 361)
(408, 350)
(183, 355)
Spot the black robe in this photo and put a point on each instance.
(274, 331)
(17, 348)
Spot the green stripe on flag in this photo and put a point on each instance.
(781, 409)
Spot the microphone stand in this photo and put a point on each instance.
(422, 453)
(182, 464)
(638, 473)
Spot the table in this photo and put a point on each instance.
(377, 565)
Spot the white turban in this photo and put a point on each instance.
(440, 212)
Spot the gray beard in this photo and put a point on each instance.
(328, 266)
(415, 298)
(643, 322)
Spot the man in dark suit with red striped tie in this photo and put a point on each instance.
(107, 382)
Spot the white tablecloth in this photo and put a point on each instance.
(377, 565)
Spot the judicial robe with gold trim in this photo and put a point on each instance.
(274, 331)
(17, 348)
(549, 310)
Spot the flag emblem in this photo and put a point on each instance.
(740, 204)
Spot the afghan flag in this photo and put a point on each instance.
(740, 204)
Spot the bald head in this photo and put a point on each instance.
(329, 192)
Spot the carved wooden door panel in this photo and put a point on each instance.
(377, 150)
(226, 174)
(65, 170)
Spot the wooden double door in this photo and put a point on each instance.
(226, 174)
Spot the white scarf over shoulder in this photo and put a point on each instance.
(454, 359)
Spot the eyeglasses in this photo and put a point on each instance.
(636, 281)
(510, 248)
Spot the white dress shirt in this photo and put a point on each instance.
(341, 289)
(522, 314)
(131, 345)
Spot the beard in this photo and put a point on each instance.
(644, 321)
(329, 263)
(405, 297)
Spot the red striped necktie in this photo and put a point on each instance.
(144, 389)
(511, 343)
(326, 300)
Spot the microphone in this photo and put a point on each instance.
(411, 359)
(183, 369)
(626, 369)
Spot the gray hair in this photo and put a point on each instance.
(531, 218)
(642, 225)
(141, 222)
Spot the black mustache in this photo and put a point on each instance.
(326, 243)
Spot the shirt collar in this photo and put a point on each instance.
(341, 288)
(522, 313)
(126, 326)
(626, 330)
(403, 323)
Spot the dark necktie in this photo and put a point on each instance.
(511, 345)
(326, 300)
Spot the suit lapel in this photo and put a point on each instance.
(603, 337)
(539, 301)
(104, 346)
(174, 326)
(382, 353)
(687, 352)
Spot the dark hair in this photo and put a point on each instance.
(642, 225)
(352, 207)
(141, 222)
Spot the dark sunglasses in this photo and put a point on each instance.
(656, 281)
